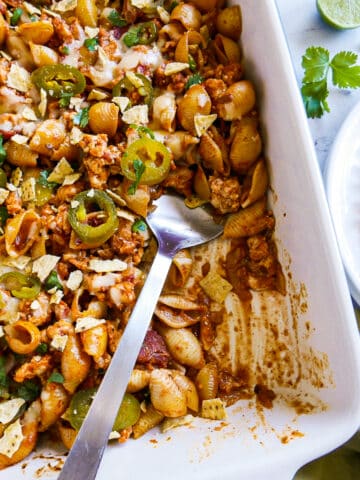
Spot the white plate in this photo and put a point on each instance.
(342, 178)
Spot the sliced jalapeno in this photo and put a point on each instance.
(128, 413)
(86, 223)
(133, 86)
(20, 285)
(58, 80)
(140, 34)
(153, 157)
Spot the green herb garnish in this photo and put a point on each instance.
(115, 19)
(82, 117)
(138, 226)
(91, 44)
(65, 100)
(4, 215)
(56, 377)
(53, 281)
(28, 390)
(194, 80)
(41, 349)
(65, 50)
(15, 17)
(143, 130)
(2, 151)
(43, 180)
(139, 168)
(316, 64)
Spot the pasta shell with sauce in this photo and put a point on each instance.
(183, 346)
(21, 232)
(188, 15)
(195, 100)
(165, 394)
(255, 184)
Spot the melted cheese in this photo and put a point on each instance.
(150, 57)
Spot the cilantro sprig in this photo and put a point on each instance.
(82, 117)
(317, 64)
(2, 151)
(139, 168)
(194, 80)
(115, 19)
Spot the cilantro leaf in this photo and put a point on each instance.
(15, 17)
(316, 64)
(91, 44)
(314, 97)
(115, 19)
(82, 117)
(53, 281)
(2, 151)
(43, 180)
(138, 226)
(194, 80)
(345, 72)
(41, 349)
(4, 380)
(28, 390)
(65, 100)
(131, 37)
(56, 377)
(143, 130)
(139, 168)
(4, 215)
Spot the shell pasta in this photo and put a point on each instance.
(105, 106)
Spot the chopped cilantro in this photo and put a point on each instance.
(139, 168)
(4, 380)
(115, 19)
(4, 215)
(53, 281)
(2, 151)
(91, 44)
(143, 130)
(15, 17)
(65, 100)
(28, 390)
(56, 377)
(139, 226)
(82, 117)
(131, 37)
(41, 348)
(172, 6)
(43, 180)
(194, 80)
(65, 50)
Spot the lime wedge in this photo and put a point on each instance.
(341, 14)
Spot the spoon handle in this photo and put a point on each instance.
(85, 455)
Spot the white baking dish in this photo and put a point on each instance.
(255, 443)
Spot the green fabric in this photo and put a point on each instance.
(342, 464)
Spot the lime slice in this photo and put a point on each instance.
(341, 14)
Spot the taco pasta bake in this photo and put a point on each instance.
(104, 106)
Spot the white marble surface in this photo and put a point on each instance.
(304, 28)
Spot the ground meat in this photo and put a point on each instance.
(127, 243)
(225, 194)
(13, 203)
(215, 88)
(154, 351)
(37, 367)
(181, 180)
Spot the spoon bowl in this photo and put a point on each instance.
(176, 227)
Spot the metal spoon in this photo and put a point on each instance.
(175, 227)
